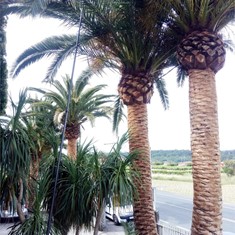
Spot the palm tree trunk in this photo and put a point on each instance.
(19, 200)
(77, 230)
(143, 202)
(32, 181)
(99, 217)
(72, 148)
(207, 201)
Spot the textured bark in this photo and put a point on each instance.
(72, 133)
(135, 89)
(201, 50)
(19, 200)
(143, 204)
(207, 201)
(72, 148)
(34, 171)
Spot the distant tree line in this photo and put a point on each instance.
(184, 155)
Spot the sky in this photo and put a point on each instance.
(168, 130)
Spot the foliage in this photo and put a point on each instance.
(86, 103)
(84, 183)
(229, 167)
(177, 156)
(15, 146)
(36, 223)
(129, 228)
(104, 37)
(169, 169)
(3, 62)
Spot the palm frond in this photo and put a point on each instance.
(161, 88)
(118, 114)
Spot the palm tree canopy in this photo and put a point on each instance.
(86, 103)
(112, 32)
(196, 15)
(117, 27)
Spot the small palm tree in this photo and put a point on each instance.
(86, 104)
(85, 183)
(43, 133)
(16, 146)
(201, 53)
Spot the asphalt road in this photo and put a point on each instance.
(177, 210)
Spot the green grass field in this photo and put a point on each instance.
(182, 185)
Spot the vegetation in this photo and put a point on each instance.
(120, 36)
(85, 104)
(15, 148)
(123, 37)
(183, 155)
(169, 169)
(3, 62)
(229, 167)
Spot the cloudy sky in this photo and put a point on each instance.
(167, 129)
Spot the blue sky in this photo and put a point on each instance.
(167, 129)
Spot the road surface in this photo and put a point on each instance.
(177, 210)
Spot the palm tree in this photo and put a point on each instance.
(16, 146)
(3, 63)
(86, 104)
(201, 53)
(122, 37)
(85, 183)
(44, 134)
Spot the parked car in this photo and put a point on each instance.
(119, 214)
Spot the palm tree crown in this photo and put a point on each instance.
(86, 104)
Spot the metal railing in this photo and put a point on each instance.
(165, 228)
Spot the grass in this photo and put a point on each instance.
(182, 185)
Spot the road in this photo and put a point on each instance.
(177, 210)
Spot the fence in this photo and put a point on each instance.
(165, 228)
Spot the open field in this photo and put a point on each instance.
(182, 184)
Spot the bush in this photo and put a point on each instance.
(229, 167)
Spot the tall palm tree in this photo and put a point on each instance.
(3, 63)
(122, 37)
(86, 104)
(201, 53)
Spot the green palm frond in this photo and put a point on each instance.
(181, 75)
(16, 147)
(116, 28)
(191, 15)
(118, 114)
(87, 103)
(163, 94)
(59, 46)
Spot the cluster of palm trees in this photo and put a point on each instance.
(30, 139)
(141, 39)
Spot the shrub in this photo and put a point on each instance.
(229, 167)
